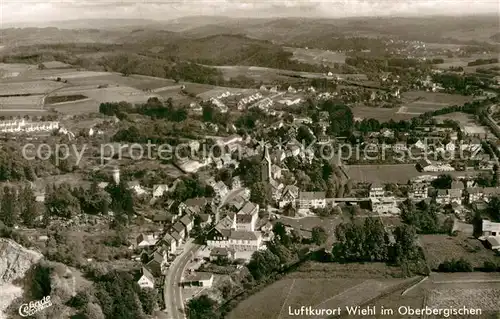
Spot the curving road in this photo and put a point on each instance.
(172, 291)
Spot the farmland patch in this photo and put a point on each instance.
(440, 248)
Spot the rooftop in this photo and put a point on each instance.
(312, 195)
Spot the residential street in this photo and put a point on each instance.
(172, 291)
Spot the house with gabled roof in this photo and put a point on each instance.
(159, 190)
(193, 206)
(180, 229)
(170, 242)
(146, 279)
(289, 195)
(155, 263)
(187, 221)
(312, 200)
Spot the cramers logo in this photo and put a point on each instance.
(29, 309)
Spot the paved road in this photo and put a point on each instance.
(172, 291)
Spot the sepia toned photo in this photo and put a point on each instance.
(249, 159)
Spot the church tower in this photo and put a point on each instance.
(265, 166)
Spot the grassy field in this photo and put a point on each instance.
(418, 102)
(472, 290)
(320, 286)
(316, 56)
(440, 248)
(398, 173)
(380, 114)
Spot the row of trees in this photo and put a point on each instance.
(18, 206)
(369, 242)
(424, 217)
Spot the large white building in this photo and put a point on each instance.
(17, 126)
(311, 200)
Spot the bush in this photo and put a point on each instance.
(460, 265)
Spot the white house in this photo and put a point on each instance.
(376, 190)
(238, 240)
(289, 195)
(159, 190)
(312, 200)
(418, 191)
(146, 280)
(143, 241)
(489, 228)
(246, 219)
(385, 205)
(200, 279)
(187, 222)
(136, 188)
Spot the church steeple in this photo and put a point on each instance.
(265, 165)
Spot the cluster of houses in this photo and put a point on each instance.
(18, 126)
(490, 233)
(459, 193)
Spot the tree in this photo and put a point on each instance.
(28, 210)
(263, 264)
(8, 213)
(260, 193)
(149, 300)
(61, 202)
(442, 181)
(202, 307)
(92, 311)
(405, 247)
(319, 235)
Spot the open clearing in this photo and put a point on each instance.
(322, 290)
(380, 114)
(398, 173)
(29, 87)
(316, 56)
(263, 74)
(440, 290)
(440, 248)
(419, 102)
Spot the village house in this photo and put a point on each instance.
(385, 205)
(288, 196)
(205, 220)
(443, 197)
(180, 229)
(145, 241)
(489, 228)
(471, 145)
(146, 279)
(474, 194)
(187, 222)
(159, 190)
(493, 242)
(490, 192)
(170, 243)
(236, 240)
(420, 145)
(199, 279)
(376, 190)
(193, 206)
(246, 218)
(218, 253)
(176, 236)
(400, 147)
(312, 200)
(418, 191)
(136, 187)
(155, 264)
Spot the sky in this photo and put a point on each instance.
(38, 11)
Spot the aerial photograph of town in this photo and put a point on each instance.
(243, 159)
